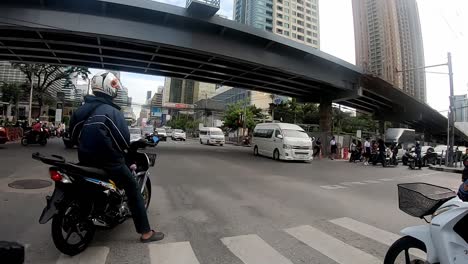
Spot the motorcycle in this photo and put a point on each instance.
(390, 158)
(85, 198)
(444, 240)
(30, 137)
(152, 138)
(414, 161)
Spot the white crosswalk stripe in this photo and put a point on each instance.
(251, 249)
(92, 255)
(331, 247)
(366, 230)
(172, 253)
(374, 233)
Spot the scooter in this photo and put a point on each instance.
(444, 240)
(414, 161)
(34, 138)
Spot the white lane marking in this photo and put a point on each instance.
(374, 233)
(366, 230)
(386, 179)
(352, 183)
(251, 249)
(331, 247)
(172, 253)
(332, 187)
(371, 181)
(92, 255)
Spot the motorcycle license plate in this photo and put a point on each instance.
(51, 208)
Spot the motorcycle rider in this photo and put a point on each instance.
(36, 130)
(417, 151)
(101, 133)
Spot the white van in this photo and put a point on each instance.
(282, 141)
(211, 135)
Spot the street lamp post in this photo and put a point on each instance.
(451, 114)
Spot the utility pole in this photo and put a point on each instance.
(244, 123)
(451, 113)
(31, 99)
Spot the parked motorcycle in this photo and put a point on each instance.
(31, 137)
(85, 198)
(444, 240)
(390, 158)
(414, 161)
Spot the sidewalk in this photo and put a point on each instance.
(446, 169)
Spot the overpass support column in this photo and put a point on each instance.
(382, 127)
(325, 112)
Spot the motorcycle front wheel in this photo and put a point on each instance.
(71, 231)
(147, 193)
(24, 141)
(399, 252)
(412, 165)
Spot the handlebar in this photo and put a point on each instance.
(140, 144)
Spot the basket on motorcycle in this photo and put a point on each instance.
(420, 199)
(152, 158)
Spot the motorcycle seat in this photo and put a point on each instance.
(87, 171)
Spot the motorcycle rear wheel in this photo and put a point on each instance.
(70, 221)
(24, 141)
(404, 244)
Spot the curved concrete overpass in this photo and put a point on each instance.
(148, 37)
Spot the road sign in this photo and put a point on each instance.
(277, 100)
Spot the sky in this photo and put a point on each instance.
(444, 26)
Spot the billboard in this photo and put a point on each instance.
(156, 112)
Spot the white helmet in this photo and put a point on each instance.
(106, 83)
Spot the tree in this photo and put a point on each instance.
(44, 76)
(11, 93)
(234, 116)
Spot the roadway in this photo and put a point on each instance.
(223, 205)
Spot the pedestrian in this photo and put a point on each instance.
(381, 152)
(333, 148)
(352, 150)
(367, 151)
(101, 133)
(317, 148)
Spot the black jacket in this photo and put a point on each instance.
(100, 131)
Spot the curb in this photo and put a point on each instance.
(445, 169)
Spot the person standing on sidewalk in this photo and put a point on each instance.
(333, 148)
(317, 148)
(367, 151)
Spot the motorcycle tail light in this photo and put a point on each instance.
(55, 175)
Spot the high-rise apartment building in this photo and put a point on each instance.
(186, 91)
(293, 19)
(388, 40)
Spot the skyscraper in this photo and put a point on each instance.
(293, 19)
(186, 91)
(388, 40)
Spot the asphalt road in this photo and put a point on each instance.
(223, 205)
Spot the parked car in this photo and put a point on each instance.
(135, 133)
(3, 135)
(178, 134)
(161, 133)
(169, 132)
(282, 141)
(211, 135)
(428, 156)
